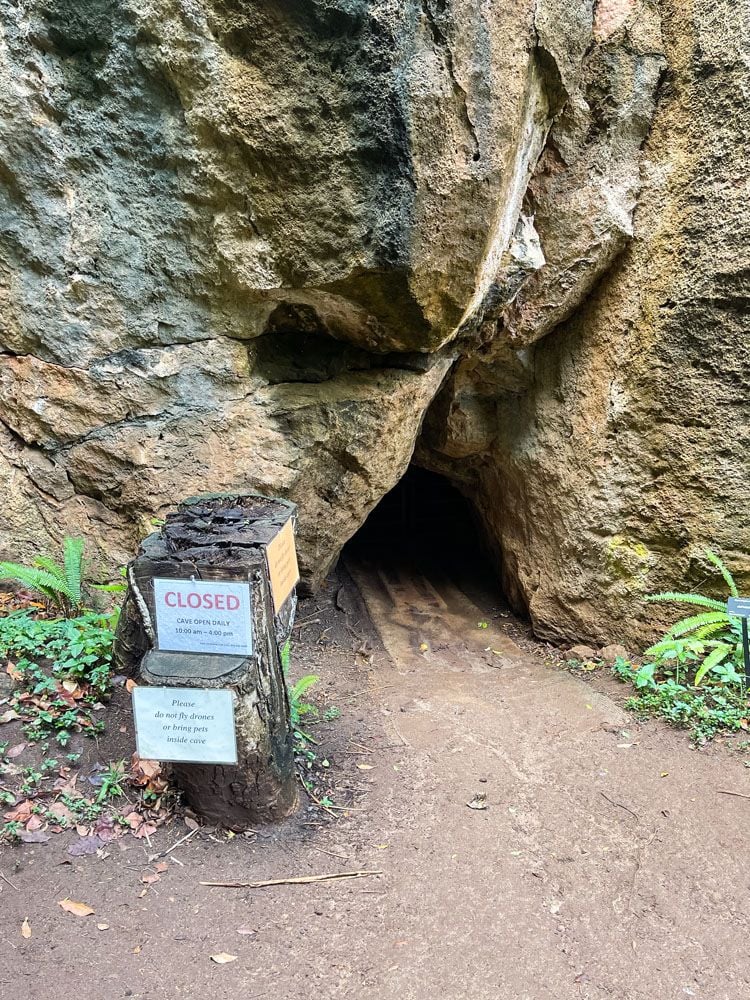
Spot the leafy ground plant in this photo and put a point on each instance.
(108, 803)
(60, 584)
(63, 671)
(693, 676)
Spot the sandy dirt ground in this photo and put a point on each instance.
(606, 864)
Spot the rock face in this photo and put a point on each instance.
(277, 246)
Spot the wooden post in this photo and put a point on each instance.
(223, 538)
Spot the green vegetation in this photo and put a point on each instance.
(694, 675)
(61, 585)
(63, 668)
(298, 707)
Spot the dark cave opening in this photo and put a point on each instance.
(424, 527)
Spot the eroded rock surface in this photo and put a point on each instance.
(245, 246)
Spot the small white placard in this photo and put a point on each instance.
(203, 616)
(188, 725)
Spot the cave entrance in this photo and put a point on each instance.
(425, 528)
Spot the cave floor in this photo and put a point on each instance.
(606, 863)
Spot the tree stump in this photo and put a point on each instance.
(222, 538)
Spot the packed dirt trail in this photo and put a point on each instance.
(604, 864)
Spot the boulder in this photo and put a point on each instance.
(614, 651)
(583, 653)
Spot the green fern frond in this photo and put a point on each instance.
(707, 630)
(73, 562)
(286, 655)
(48, 564)
(696, 621)
(728, 578)
(717, 654)
(38, 580)
(698, 599)
(303, 685)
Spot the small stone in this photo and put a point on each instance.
(610, 653)
(7, 684)
(581, 653)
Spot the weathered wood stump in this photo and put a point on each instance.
(222, 538)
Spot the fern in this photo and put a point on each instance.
(728, 578)
(698, 599)
(297, 707)
(717, 654)
(60, 586)
(48, 564)
(73, 563)
(51, 587)
(708, 638)
(696, 621)
(707, 630)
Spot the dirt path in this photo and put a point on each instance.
(606, 864)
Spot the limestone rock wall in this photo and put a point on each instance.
(624, 451)
(277, 246)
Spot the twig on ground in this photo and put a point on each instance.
(298, 880)
(726, 791)
(640, 854)
(403, 739)
(620, 806)
(314, 798)
(182, 840)
(308, 621)
(361, 746)
(6, 879)
(341, 857)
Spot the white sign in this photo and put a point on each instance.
(203, 616)
(189, 725)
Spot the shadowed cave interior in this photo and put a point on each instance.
(425, 528)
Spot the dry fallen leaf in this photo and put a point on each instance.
(145, 830)
(20, 814)
(84, 846)
(479, 801)
(77, 909)
(130, 684)
(15, 751)
(32, 837)
(150, 877)
(26, 928)
(222, 958)
(9, 716)
(365, 767)
(60, 811)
